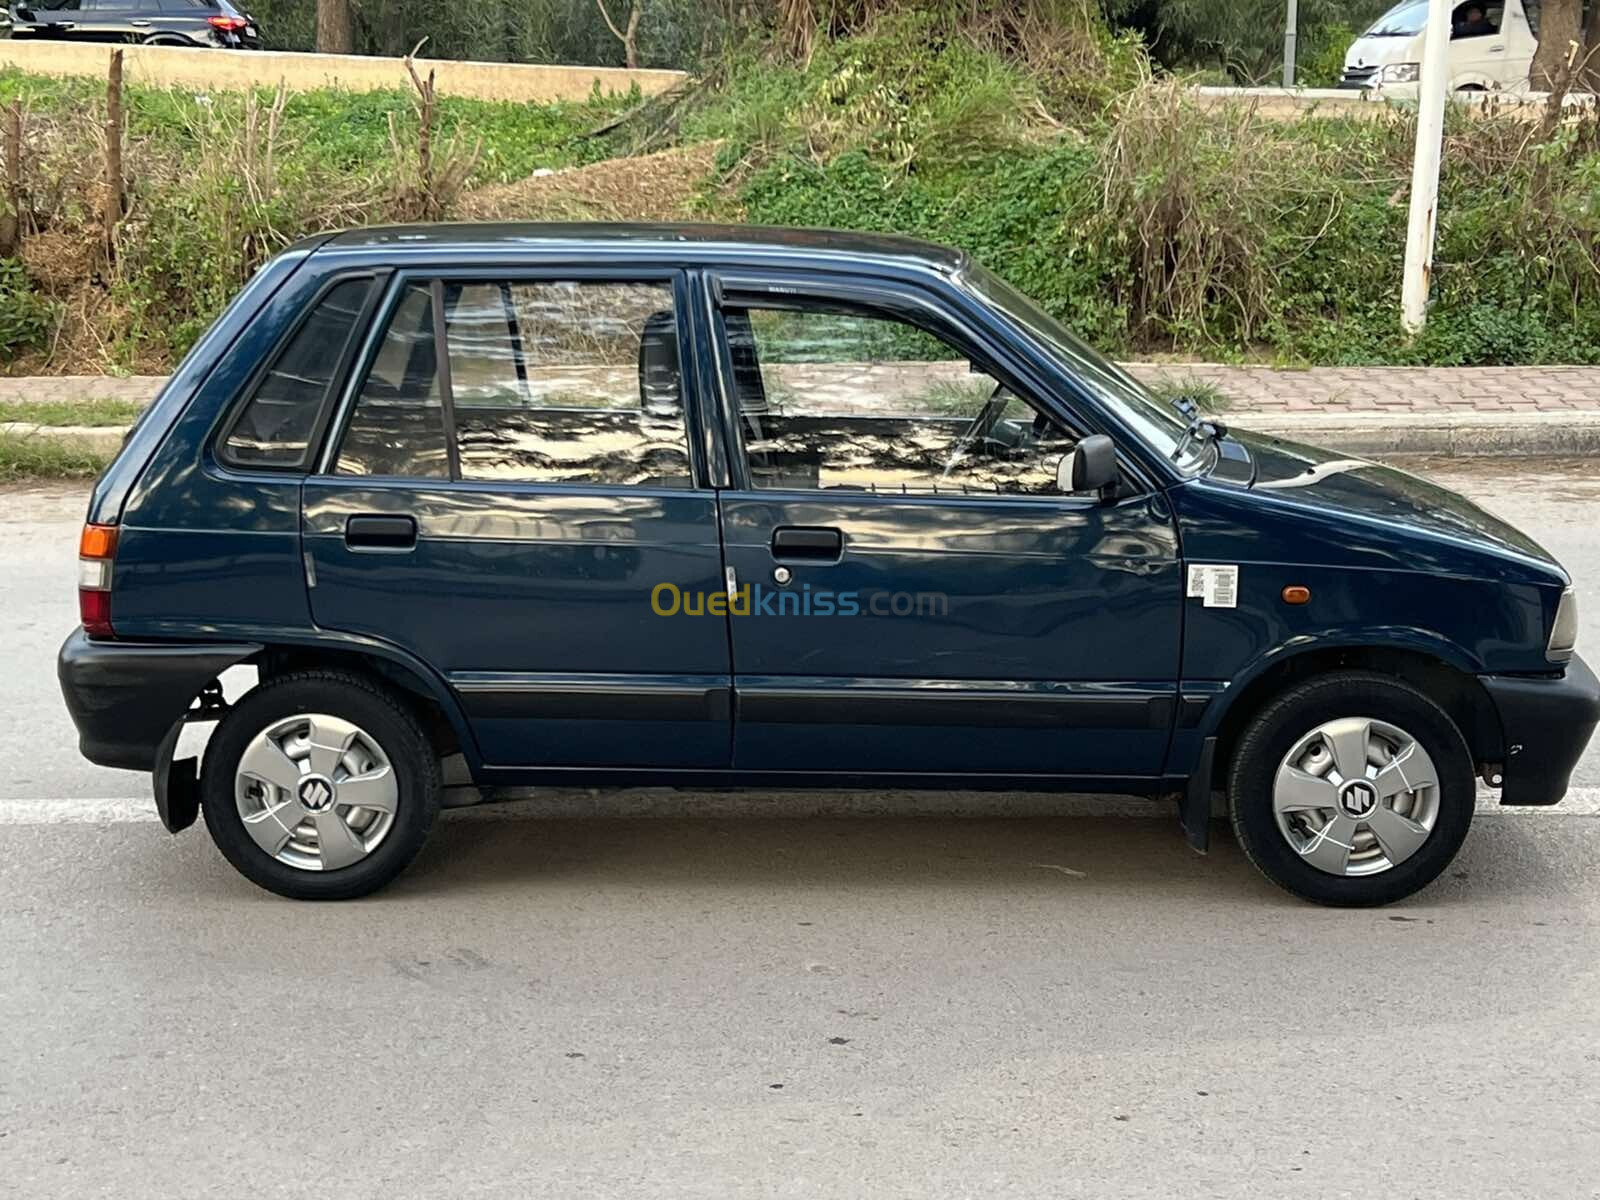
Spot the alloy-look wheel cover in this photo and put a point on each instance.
(1356, 796)
(316, 792)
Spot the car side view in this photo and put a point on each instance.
(719, 506)
(212, 23)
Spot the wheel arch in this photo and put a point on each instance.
(1449, 683)
(436, 707)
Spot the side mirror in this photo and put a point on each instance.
(1091, 467)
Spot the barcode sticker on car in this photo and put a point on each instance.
(1216, 586)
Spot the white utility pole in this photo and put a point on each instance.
(1291, 33)
(1432, 88)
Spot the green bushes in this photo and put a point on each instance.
(26, 318)
(1143, 221)
(1155, 226)
(217, 183)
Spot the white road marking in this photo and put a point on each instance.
(75, 811)
(71, 810)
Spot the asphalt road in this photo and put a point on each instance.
(1050, 1005)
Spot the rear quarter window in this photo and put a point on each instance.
(275, 426)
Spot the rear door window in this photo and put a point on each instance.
(276, 426)
(549, 381)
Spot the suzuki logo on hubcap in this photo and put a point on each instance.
(1358, 799)
(316, 792)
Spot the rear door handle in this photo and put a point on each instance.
(808, 543)
(377, 532)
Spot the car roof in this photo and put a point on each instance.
(716, 241)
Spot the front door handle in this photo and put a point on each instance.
(807, 543)
(372, 531)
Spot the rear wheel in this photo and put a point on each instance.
(320, 786)
(1351, 789)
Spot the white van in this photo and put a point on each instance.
(1491, 48)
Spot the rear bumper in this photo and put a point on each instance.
(126, 697)
(1547, 720)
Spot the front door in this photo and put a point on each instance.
(914, 593)
(512, 482)
(1480, 48)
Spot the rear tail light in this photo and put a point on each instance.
(97, 551)
(226, 24)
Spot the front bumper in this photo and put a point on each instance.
(1547, 720)
(126, 697)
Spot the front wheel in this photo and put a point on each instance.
(1351, 789)
(320, 786)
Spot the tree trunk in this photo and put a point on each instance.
(1558, 28)
(1591, 49)
(335, 27)
(628, 37)
(11, 222)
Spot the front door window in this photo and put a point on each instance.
(842, 400)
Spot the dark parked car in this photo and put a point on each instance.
(153, 22)
(706, 506)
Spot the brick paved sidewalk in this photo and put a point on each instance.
(1350, 390)
(1266, 390)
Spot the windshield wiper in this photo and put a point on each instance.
(1198, 427)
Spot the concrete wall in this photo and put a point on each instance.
(1290, 104)
(204, 70)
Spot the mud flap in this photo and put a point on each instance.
(1194, 810)
(177, 784)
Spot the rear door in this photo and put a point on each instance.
(187, 18)
(914, 592)
(56, 19)
(511, 482)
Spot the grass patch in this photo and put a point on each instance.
(45, 458)
(100, 413)
(341, 130)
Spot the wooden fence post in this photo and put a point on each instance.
(11, 220)
(114, 190)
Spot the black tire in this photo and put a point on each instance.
(1272, 734)
(378, 712)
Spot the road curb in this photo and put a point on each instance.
(1575, 433)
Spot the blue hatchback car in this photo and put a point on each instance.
(705, 506)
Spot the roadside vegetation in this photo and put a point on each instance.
(98, 413)
(30, 456)
(1031, 134)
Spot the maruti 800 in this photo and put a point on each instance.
(713, 506)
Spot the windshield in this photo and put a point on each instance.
(1403, 20)
(1152, 420)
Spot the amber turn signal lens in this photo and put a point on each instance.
(1295, 594)
(97, 541)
